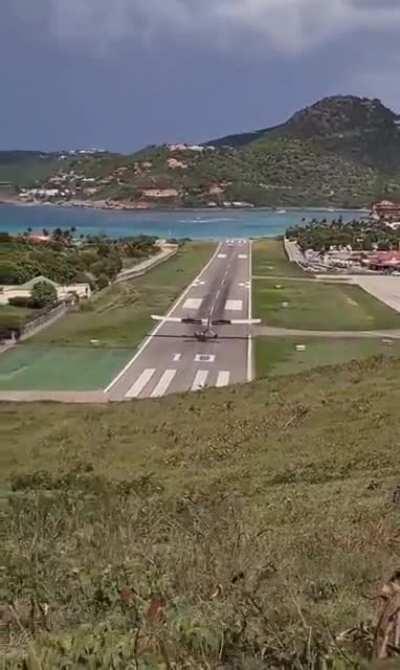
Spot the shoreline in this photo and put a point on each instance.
(102, 206)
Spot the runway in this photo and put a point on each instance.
(172, 360)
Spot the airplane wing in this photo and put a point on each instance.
(175, 319)
(245, 322)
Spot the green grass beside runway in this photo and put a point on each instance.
(278, 355)
(269, 259)
(31, 368)
(317, 306)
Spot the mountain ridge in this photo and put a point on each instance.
(342, 151)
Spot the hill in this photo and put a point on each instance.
(343, 151)
(247, 527)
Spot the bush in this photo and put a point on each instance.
(9, 273)
(43, 294)
(21, 301)
(102, 281)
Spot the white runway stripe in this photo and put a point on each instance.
(242, 256)
(223, 378)
(140, 383)
(200, 380)
(163, 384)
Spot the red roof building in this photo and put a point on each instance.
(382, 260)
(386, 209)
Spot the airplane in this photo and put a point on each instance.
(206, 330)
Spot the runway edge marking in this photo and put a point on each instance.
(250, 370)
(154, 332)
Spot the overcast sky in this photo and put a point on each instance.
(121, 74)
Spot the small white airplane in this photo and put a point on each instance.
(207, 330)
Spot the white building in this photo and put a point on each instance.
(25, 290)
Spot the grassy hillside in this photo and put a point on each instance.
(342, 151)
(26, 168)
(246, 527)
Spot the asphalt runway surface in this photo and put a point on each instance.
(172, 359)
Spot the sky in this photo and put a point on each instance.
(123, 74)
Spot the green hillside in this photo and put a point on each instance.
(343, 151)
(249, 527)
(26, 168)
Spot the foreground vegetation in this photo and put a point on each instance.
(248, 527)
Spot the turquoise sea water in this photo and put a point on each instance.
(196, 224)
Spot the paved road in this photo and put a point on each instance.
(172, 360)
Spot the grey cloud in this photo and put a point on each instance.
(286, 25)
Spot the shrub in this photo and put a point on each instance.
(21, 301)
(43, 294)
(9, 273)
(102, 281)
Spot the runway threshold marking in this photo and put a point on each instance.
(223, 378)
(140, 383)
(199, 380)
(204, 358)
(164, 383)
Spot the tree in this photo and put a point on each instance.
(43, 294)
(102, 281)
(9, 273)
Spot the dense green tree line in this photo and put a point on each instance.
(65, 263)
(360, 235)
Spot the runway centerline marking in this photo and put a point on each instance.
(164, 383)
(140, 383)
(242, 256)
(223, 378)
(204, 358)
(221, 256)
(199, 380)
(234, 305)
(192, 303)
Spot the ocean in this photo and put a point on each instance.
(194, 224)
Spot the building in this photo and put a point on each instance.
(385, 209)
(24, 290)
(160, 193)
(383, 260)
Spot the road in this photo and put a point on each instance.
(172, 360)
